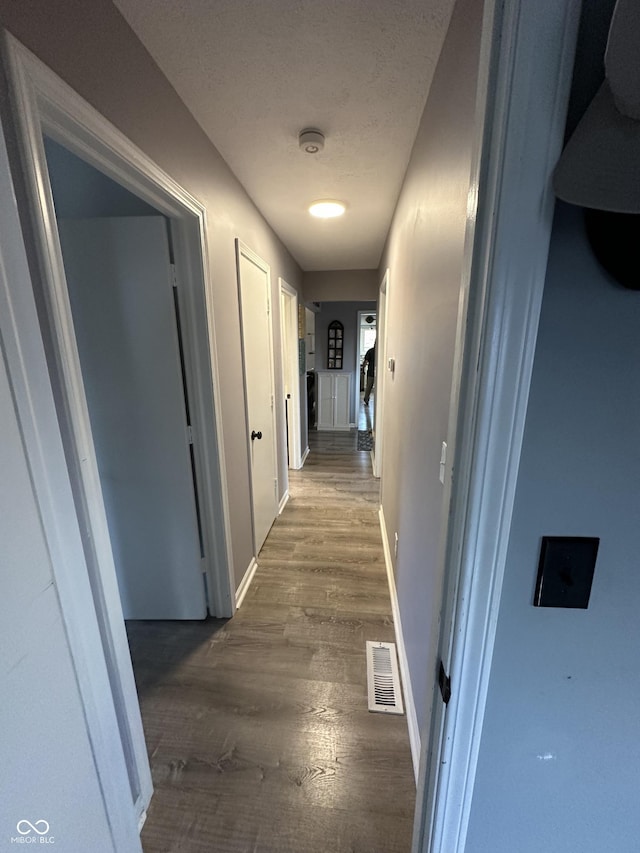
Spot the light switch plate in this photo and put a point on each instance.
(565, 571)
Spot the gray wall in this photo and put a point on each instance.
(347, 314)
(337, 285)
(424, 254)
(559, 766)
(93, 49)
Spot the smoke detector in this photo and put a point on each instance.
(311, 141)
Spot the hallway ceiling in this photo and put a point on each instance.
(256, 72)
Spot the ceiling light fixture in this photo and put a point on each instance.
(311, 141)
(327, 208)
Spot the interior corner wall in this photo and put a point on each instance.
(92, 48)
(559, 763)
(424, 255)
(340, 285)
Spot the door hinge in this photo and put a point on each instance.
(444, 683)
(189, 434)
(275, 487)
(174, 277)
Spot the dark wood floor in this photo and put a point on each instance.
(257, 728)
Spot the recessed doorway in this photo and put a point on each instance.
(46, 108)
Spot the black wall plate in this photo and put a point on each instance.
(565, 571)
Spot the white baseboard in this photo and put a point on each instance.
(245, 583)
(304, 456)
(283, 502)
(412, 717)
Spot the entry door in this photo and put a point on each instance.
(254, 285)
(120, 288)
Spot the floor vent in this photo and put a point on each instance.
(382, 678)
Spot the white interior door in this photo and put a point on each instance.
(121, 294)
(291, 370)
(255, 287)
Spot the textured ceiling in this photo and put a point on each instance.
(256, 72)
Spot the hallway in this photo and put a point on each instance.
(258, 730)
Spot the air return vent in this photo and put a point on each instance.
(383, 679)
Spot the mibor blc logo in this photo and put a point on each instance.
(33, 833)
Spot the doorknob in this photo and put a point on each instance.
(255, 434)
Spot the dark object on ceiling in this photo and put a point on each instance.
(615, 241)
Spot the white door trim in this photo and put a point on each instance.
(525, 76)
(42, 103)
(382, 324)
(242, 250)
(291, 370)
(23, 349)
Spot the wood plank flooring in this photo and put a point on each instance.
(257, 727)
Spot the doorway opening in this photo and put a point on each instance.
(85, 337)
(293, 367)
(367, 331)
(123, 296)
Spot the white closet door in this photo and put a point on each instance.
(255, 305)
(342, 394)
(325, 395)
(120, 288)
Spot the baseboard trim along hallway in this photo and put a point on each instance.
(245, 583)
(412, 718)
(283, 502)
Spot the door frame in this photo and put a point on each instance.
(382, 325)
(41, 103)
(359, 354)
(23, 349)
(242, 250)
(291, 370)
(525, 73)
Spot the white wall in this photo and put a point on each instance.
(424, 254)
(559, 766)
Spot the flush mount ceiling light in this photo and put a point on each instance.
(311, 141)
(327, 208)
